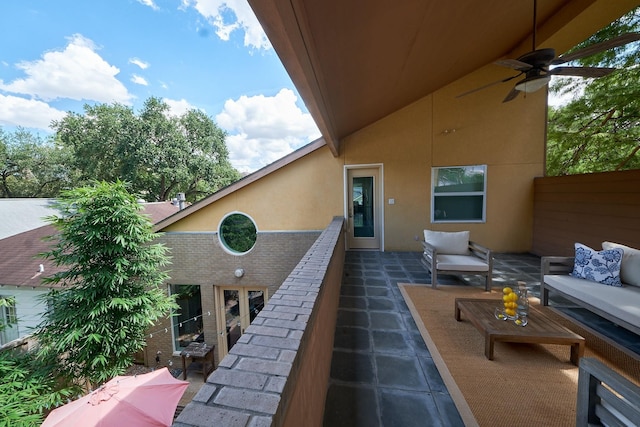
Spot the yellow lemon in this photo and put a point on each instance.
(505, 298)
(507, 290)
(510, 311)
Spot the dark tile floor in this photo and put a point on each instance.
(382, 373)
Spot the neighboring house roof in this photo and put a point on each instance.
(158, 211)
(20, 215)
(20, 264)
(19, 260)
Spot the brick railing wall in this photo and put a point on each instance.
(277, 373)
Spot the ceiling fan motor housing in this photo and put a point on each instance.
(538, 58)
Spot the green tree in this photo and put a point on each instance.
(27, 389)
(31, 167)
(159, 154)
(599, 130)
(109, 291)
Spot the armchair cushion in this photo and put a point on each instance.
(450, 243)
(461, 263)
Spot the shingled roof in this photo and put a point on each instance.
(20, 264)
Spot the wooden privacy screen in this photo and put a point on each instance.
(588, 208)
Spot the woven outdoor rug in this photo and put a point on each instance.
(525, 384)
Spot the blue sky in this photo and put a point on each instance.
(56, 56)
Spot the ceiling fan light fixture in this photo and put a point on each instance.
(533, 83)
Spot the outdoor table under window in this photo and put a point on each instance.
(201, 355)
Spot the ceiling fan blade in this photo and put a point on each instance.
(598, 47)
(488, 85)
(511, 95)
(514, 63)
(582, 71)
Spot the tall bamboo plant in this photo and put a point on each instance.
(109, 291)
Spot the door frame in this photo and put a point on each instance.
(242, 309)
(379, 206)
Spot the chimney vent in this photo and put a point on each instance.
(181, 200)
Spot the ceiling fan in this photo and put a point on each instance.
(535, 65)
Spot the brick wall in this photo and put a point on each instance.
(199, 259)
(277, 373)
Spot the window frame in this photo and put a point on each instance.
(223, 242)
(9, 316)
(175, 321)
(482, 193)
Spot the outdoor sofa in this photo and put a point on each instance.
(615, 300)
(605, 397)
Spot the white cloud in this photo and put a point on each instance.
(139, 80)
(77, 73)
(28, 113)
(149, 3)
(263, 129)
(230, 15)
(178, 107)
(139, 62)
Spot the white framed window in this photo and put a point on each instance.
(237, 233)
(458, 193)
(187, 320)
(8, 320)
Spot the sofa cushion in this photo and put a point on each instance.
(621, 302)
(598, 266)
(448, 242)
(630, 267)
(461, 263)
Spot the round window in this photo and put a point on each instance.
(238, 233)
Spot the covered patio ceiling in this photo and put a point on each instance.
(354, 62)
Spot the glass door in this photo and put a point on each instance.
(237, 309)
(233, 320)
(363, 209)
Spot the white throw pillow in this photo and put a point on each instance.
(630, 268)
(448, 242)
(598, 266)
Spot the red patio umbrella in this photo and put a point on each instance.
(140, 400)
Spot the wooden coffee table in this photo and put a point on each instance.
(540, 329)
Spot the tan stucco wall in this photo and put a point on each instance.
(304, 195)
(442, 130)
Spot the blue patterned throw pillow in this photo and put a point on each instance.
(598, 266)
